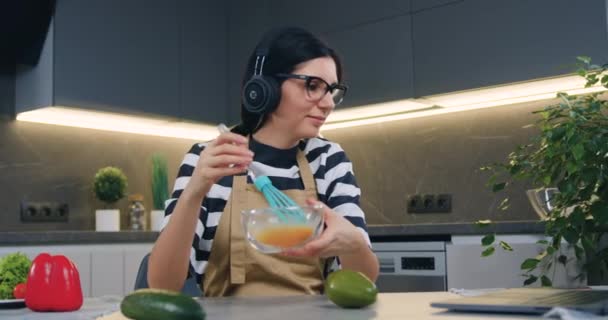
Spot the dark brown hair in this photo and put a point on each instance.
(288, 47)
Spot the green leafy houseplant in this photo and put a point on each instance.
(571, 154)
(110, 185)
(160, 186)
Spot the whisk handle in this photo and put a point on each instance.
(222, 128)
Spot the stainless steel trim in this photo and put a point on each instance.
(409, 246)
(386, 257)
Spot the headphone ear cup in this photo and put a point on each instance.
(274, 94)
(261, 94)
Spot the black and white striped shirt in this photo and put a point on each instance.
(332, 171)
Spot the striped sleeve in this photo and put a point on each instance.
(342, 193)
(337, 187)
(199, 252)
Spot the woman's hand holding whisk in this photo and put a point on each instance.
(227, 155)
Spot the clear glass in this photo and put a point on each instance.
(272, 230)
(136, 214)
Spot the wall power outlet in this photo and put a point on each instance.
(429, 203)
(46, 211)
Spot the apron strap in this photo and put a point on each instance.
(305, 172)
(237, 236)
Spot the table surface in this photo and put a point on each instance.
(390, 306)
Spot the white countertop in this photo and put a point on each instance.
(390, 306)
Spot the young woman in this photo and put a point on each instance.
(291, 84)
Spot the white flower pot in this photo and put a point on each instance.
(107, 220)
(156, 219)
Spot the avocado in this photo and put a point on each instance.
(350, 289)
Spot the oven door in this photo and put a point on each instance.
(402, 271)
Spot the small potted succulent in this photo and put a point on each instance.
(160, 191)
(109, 186)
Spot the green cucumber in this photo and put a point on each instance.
(155, 304)
(350, 289)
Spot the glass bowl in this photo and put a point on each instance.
(272, 230)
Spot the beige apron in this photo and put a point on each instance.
(236, 268)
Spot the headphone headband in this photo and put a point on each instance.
(263, 47)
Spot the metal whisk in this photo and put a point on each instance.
(276, 199)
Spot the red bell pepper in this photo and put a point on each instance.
(53, 284)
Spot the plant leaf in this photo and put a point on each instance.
(487, 240)
(545, 281)
(483, 223)
(488, 252)
(498, 186)
(578, 151)
(571, 235)
(531, 279)
(584, 59)
(529, 264)
(504, 204)
(505, 246)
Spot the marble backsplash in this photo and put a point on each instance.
(438, 154)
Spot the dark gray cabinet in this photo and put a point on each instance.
(478, 43)
(157, 57)
(114, 54)
(185, 58)
(373, 39)
(377, 63)
(203, 44)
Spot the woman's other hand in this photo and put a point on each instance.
(339, 238)
(227, 155)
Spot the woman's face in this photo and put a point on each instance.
(297, 114)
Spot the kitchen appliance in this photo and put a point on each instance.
(411, 266)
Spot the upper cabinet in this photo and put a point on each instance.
(139, 56)
(372, 38)
(186, 58)
(476, 43)
(203, 60)
(117, 54)
(377, 63)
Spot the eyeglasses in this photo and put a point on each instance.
(317, 88)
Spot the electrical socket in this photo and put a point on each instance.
(443, 203)
(415, 204)
(429, 203)
(47, 211)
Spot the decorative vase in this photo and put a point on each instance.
(156, 219)
(107, 220)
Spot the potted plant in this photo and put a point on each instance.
(160, 191)
(109, 186)
(570, 153)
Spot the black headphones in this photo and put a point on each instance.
(261, 93)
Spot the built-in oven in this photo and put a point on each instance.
(411, 266)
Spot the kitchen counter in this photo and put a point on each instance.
(438, 230)
(428, 231)
(390, 306)
(75, 237)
